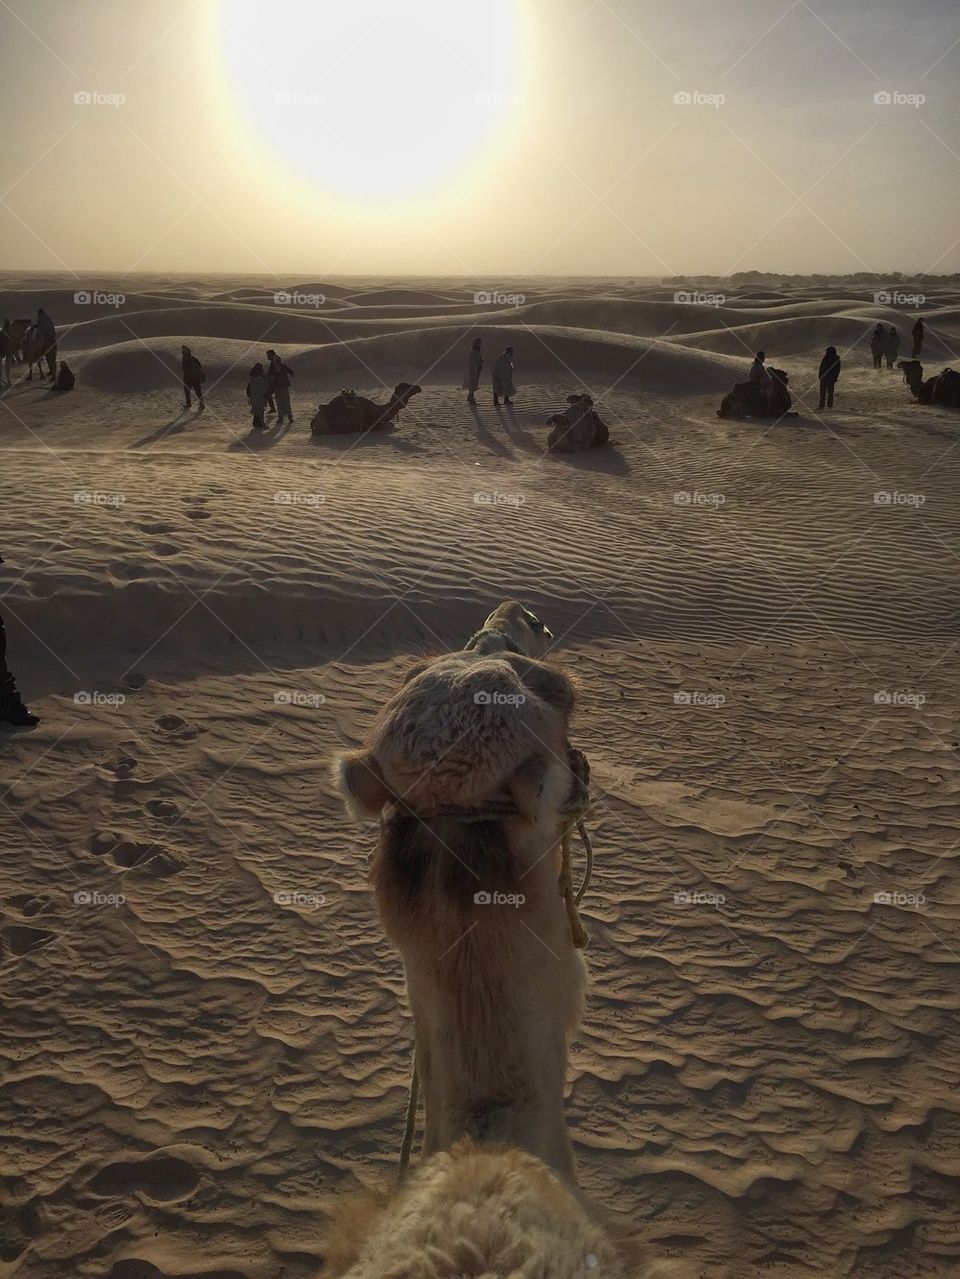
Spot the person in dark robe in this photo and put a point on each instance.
(12, 709)
(829, 376)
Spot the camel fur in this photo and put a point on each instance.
(489, 1212)
(463, 729)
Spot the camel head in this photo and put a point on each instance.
(512, 628)
(461, 729)
(468, 769)
(404, 392)
(912, 371)
(585, 400)
(778, 375)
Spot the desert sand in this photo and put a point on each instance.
(206, 1038)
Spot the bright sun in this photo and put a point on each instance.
(371, 98)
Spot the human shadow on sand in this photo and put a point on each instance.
(260, 441)
(173, 427)
(485, 436)
(521, 436)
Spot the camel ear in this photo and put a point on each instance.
(526, 786)
(361, 783)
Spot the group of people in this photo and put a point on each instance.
(884, 343)
(268, 387)
(33, 342)
(268, 390)
(502, 376)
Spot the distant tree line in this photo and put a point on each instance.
(781, 279)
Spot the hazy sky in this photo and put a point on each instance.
(489, 137)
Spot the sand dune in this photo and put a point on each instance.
(552, 353)
(766, 1082)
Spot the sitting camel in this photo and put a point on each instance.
(576, 428)
(349, 413)
(759, 399)
(942, 389)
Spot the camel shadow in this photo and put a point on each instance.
(607, 460)
(347, 442)
(23, 385)
(174, 427)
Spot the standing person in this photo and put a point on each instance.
(278, 377)
(193, 376)
(917, 333)
(12, 709)
(503, 377)
(878, 341)
(258, 388)
(471, 381)
(829, 376)
(46, 328)
(891, 347)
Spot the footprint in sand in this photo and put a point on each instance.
(135, 680)
(177, 727)
(120, 767)
(127, 854)
(18, 1226)
(162, 808)
(197, 515)
(159, 1177)
(28, 904)
(156, 528)
(154, 858)
(135, 1268)
(18, 939)
(165, 548)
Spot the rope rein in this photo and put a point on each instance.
(573, 813)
